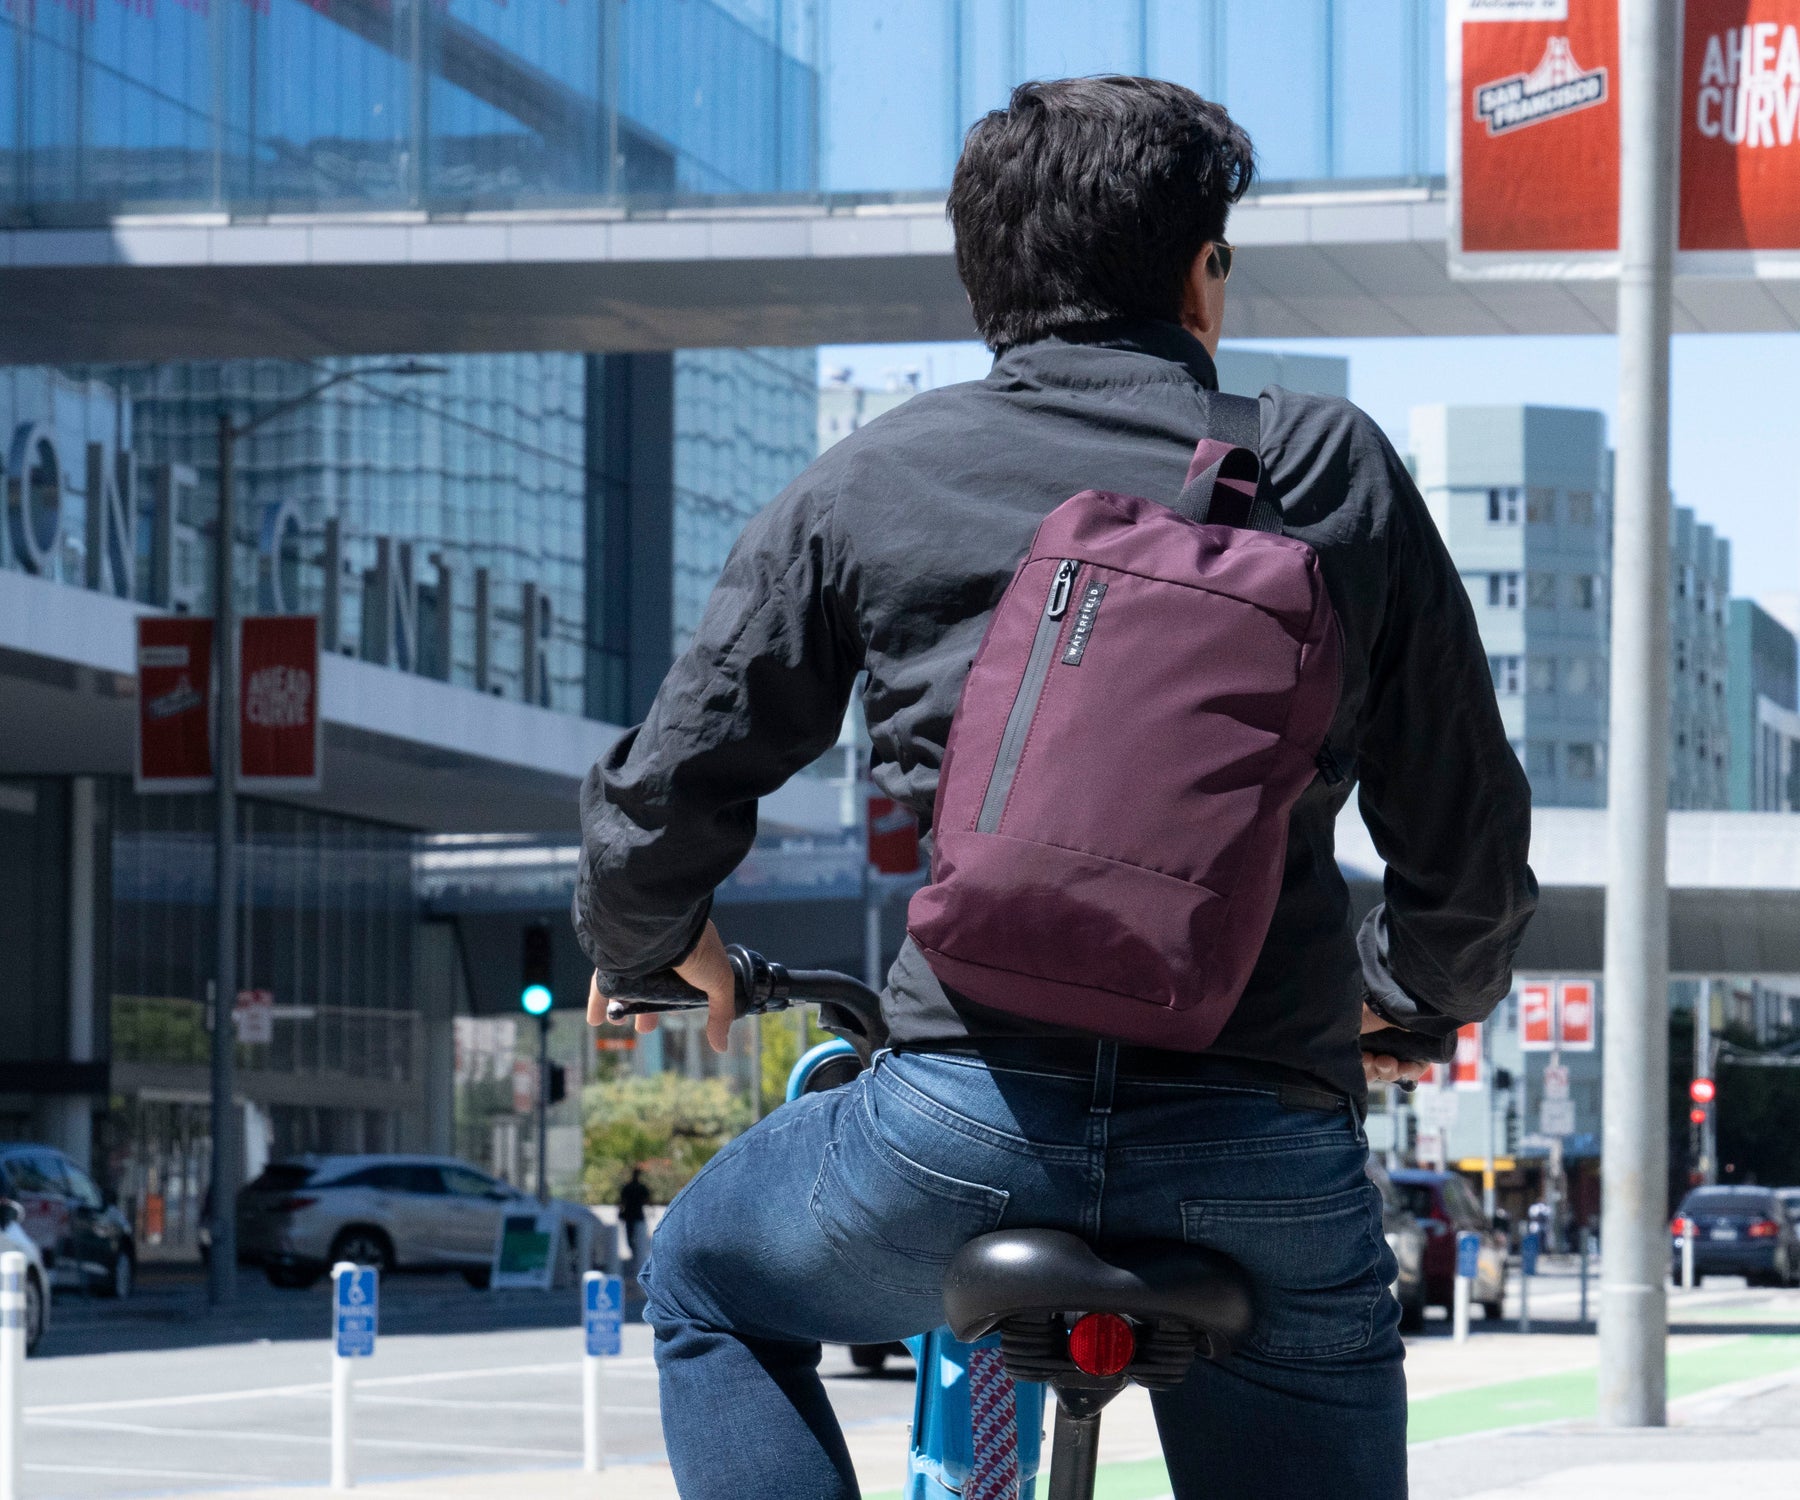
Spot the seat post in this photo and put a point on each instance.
(1075, 1456)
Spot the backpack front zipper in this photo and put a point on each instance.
(1031, 688)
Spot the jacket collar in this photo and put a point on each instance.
(1106, 354)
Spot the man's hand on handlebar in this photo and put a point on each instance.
(706, 968)
(1378, 1067)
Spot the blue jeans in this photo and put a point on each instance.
(834, 1218)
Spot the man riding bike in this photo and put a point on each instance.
(1090, 235)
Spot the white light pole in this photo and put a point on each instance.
(1635, 1146)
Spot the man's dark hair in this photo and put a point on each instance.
(1087, 199)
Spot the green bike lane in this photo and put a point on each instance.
(1568, 1395)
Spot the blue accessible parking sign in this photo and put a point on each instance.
(602, 1312)
(355, 1310)
(1468, 1254)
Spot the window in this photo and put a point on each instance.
(1541, 590)
(1541, 675)
(1506, 672)
(1578, 675)
(467, 1184)
(396, 1177)
(1540, 758)
(1684, 581)
(1581, 508)
(1681, 656)
(82, 1189)
(1503, 507)
(1584, 589)
(1583, 762)
(1540, 505)
(1503, 590)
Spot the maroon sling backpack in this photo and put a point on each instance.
(1151, 698)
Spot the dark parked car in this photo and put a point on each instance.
(84, 1240)
(1738, 1231)
(1407, 1240)
(1445, 1206)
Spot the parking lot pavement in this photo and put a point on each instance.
(157, 1398)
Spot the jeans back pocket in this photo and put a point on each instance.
(1314, 1263)
(895, 1222)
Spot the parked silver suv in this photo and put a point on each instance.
(395, 1212)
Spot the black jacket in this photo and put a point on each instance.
(889, 553)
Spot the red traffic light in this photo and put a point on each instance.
(1703, 1091)
(1696, 1117)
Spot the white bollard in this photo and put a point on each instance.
(593, 1446)
(1687, 1255)
(602, 1313)
(341, 1478)
(355, 1320)
(12, 1371)
(1468, 1267)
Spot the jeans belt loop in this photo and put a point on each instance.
(1106, 1072)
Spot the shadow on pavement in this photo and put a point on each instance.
(168, 1310)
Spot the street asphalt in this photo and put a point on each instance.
(477, 1395)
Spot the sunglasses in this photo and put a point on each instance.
(1221, 259)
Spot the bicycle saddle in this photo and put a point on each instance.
(1027, 1282)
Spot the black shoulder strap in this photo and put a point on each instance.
(1225, 480)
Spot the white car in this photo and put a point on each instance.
(37, 1280)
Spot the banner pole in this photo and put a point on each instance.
(1635, 1155)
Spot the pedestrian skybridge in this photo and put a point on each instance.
(1343, 260)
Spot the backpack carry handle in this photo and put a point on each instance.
(1224, 481)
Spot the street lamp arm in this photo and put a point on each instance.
(294, 403)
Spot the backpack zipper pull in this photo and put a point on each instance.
(1061, 589)
(1329, 769)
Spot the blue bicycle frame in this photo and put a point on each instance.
(942, 1452)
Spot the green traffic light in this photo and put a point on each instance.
(535, 999)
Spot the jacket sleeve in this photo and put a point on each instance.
(670, 810)
(1442, 794)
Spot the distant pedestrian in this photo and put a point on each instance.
(633, 1196)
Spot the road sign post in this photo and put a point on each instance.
(602, 1313)
(355, 1315)
(12, 1371)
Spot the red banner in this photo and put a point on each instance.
(1465, 1067)
(1534, 147)
(174, 743)
(1575, 1007)
(1537, 1017)
(893, 837)
(278, 703)
(1740, 125)
(1539, 125)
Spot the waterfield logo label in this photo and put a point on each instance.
(1557, 86)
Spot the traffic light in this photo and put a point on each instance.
(535, 997)
(1503, 1081)
(1512, 1130)
(559, 1083)
(1696, 1116)
(1703, 1091)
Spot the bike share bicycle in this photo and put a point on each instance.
(1026, 1308)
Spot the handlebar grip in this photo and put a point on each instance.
(663, 990)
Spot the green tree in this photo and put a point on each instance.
(668, 1125)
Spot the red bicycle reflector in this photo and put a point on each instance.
(1703, 1091)
(1101, 1344)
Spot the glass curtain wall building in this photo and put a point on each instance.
(454, 106)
